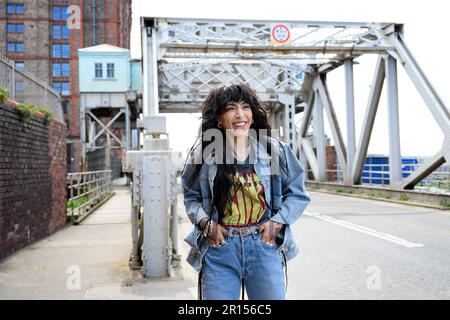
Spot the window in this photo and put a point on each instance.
(56, 32)
(57, 86)
(11, 47)
(20, 9)
(20, 65)
(57, 70)
(15, 47)
(15, 9)
(62, 87)
(60, 32)
(20, 47)
(98, 71)
(61, 51)
(65, 69)
(110, 70)
(65, 88)
(64, 32)
(61, 70)
(59, 13)
(65, 49)
(15, 27)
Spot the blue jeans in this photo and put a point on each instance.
(246, 258)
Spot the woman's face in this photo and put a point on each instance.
(238, 117)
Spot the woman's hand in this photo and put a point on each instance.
(270, 230)
(216, 233)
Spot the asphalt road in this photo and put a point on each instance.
(354, 248)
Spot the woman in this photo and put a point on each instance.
(242, 191)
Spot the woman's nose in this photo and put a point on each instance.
(239, 112)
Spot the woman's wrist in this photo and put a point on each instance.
(203, 223)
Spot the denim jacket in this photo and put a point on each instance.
(290, 198)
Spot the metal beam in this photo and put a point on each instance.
(232, 49)
(311, 157)
(395, 160)
(106, 127)
(319, 134)
(369, 120)
(425, 169)
(150, 92)
(288, 102)
(350, 117)
(334, 124)
(437, 107)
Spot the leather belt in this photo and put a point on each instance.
(244, 231)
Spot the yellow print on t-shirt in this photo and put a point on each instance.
(247, 203)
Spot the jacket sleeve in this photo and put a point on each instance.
(295, 197)
(192, 195)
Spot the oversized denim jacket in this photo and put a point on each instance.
(290, 198)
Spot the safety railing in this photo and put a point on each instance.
(378, 174)
(87, 190)
(23, 87)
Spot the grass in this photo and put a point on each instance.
(403, 197)
(77, 202)
(4, 95)
(444, 203)
(26, 111)
(344, 191)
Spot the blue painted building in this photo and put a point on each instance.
(110, 83)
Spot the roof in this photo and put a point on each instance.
(104, 48)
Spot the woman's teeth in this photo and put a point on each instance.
(240, 124)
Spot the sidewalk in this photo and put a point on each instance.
(98, 250)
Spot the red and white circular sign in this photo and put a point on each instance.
(280, 33)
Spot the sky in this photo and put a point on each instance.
(425, 29)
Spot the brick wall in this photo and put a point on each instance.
(32, 179)
(331, 163)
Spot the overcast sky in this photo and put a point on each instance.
(426, 34)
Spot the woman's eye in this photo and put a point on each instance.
(246, 106)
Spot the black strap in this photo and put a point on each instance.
(199, 289)
(272, 210)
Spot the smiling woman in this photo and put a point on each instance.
(241, 211)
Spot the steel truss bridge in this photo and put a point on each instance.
(183, 59)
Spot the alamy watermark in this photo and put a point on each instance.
(73, 282)
(374, 280)
(74, 17)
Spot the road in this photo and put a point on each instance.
(354, 248)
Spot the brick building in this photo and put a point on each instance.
(43, 36)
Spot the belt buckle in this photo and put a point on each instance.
(244, 231)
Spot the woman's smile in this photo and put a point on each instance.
(240, 125)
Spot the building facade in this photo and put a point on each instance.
(107, 86)
(43, 36)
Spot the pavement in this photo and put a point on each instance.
(90, 261)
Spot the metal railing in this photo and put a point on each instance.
(86, 191)
(23, 87)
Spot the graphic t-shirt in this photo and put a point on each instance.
(247, 203)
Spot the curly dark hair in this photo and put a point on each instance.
(213, 107)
